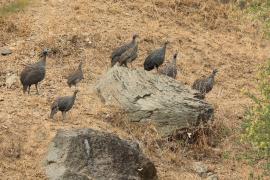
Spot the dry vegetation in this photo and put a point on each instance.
(207, 34)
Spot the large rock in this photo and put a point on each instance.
(146, 95)
(86, 154)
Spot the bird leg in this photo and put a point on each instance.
(157, 68)
(37, 88)
(125, 64)
(29, 89)
(52, 115)
(24, 89)
(64, 115)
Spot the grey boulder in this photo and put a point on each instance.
(148, 96)
(85, 154)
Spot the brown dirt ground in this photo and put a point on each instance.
(5, 2)
(207, 34)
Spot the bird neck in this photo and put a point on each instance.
(164, 49)
(213, 73)
(74, 95)
(212, 77)
(80, 67)
(174, 61)
(134, 41)
(43, 60)
(165, 45)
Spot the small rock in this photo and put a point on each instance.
(66, 53)
(200, 168)
(242, 4)
(31, 38)
(212, 177)
(11, 80)
(5, 51)
(32, 54)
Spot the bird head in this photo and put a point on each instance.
(76, 91)
(175, 55)
(80, 65)
(166, 43)
(214, 71)
(135, 36)
(44, 52)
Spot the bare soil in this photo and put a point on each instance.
(207, 35)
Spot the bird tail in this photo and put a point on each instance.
(54, 109)
(53, 112)
(69, 83)
(148, 68)
(114, 61)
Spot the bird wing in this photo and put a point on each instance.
(130, 54)
(32, 74)
(134, 54)
(163, 69)
(155, 55)
(200, 85)
(24, 73)
(75, 76)
(174, 72)
(55, 103)
(209, 83)
(149, 62)
(120, 50)
(196, 84)
(63, 102)
(169, 70)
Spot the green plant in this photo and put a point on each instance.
(13, 7)
(261, 10)
(226, 155)
(257, 124)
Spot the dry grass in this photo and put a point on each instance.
(207, 34)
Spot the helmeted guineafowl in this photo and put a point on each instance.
(170, 69)
(34, 73)
(63, 104)
(125, 53)
(205, 85)
(75, 77)
(156, 58)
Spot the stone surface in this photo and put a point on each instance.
(200, 168)
(146, 95)
(85, 154)
(11, 79)
(5, 51)
(213, 177)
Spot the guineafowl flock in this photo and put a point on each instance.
(33, 74)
